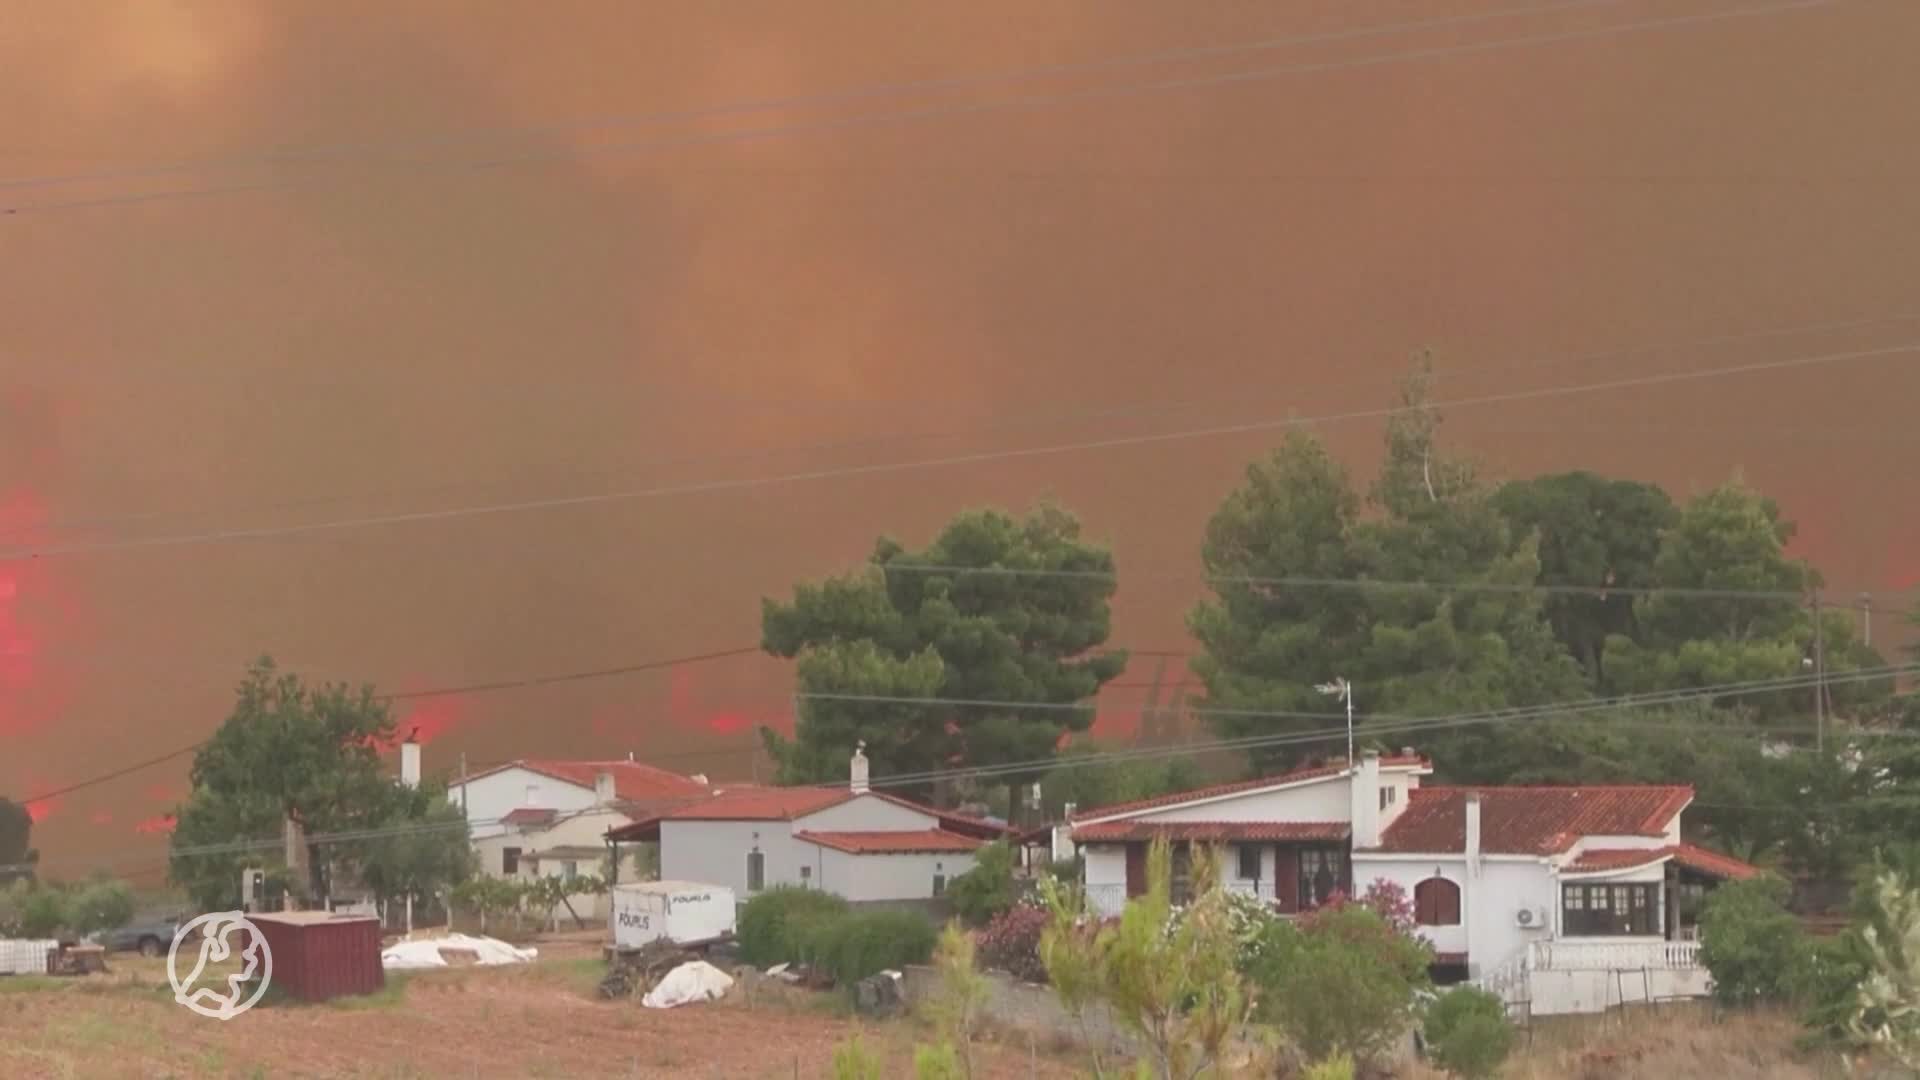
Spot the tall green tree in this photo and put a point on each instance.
(913, 626)
(1423, 650)
(286, 751)
(17, 855)
(1592, 532)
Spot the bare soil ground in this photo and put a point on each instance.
(541, 1020)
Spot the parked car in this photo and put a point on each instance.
(148, 937)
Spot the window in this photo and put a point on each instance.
(1436, 902)
(806, 874)
(756, 871)
(939, 884)
(1181, 887)
(1610, 910)
(1249, 863)
(569, 870)
(1323, 872)
(510, 861)
(1388, 795)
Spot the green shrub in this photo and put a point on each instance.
(1339, 981)
(987, 889)
(853, 945)
(1755, 949)
(775, 926)
(1828, 988)
(1468, 1033)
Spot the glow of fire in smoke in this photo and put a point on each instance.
(161, 824)
(21, 513)
(40, 810)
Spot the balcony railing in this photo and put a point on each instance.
(1107, 900)
(1615, 956)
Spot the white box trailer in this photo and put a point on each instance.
(22, 957)
(683, 912)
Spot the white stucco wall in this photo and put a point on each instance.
(1324, 800)
(1488, 932)
(883, 877)
(866, 813)
(490, 797)
(715, 852)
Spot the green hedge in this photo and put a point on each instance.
(854, 945)
(776, 925)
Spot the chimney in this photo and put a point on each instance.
(603, 787)
(629, 756)
(410, 763)
(1473, 832)
(701, 779)
(1365, 803)
(859, 771)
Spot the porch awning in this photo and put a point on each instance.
(1212, 832)
(1598, 861)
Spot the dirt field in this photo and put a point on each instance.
(538, 1021)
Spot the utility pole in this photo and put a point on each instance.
(1866, 619)
(1819, 677)
(463, 783)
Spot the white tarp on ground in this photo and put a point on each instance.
(426, 953)
(695, 980)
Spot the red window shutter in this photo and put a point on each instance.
(1286, 879)
(1136, 870)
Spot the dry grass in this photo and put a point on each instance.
(538, 1020)
(1682, 1040)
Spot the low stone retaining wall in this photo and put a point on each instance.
(1021, 1007)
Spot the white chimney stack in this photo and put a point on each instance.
(859, 770)
(1473, 832)
(410, 763)
(1365, 801)
(603, 787)
(701, 779)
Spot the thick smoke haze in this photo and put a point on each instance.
(375, 326)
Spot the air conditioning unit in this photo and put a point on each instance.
(1532, 918)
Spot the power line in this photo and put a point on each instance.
(1047, 420)
(883, 118)
(1405, 725)
(447, 691)
(851, 94)
(1364, 584)
(1572, 711)
(1755, 685)
(882, 468)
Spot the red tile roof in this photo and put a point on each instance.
(1695, 858)
(1531, 820)
(528, 815)
(1114, 832)
(918, 842)
(1595, 860)
(1314, 772)
(633, 781)
(749, 803)
(1713, 863)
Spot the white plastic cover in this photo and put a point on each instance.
(425, 952)
(695, 980)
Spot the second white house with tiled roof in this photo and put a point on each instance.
(860, 844)
(1562, 899)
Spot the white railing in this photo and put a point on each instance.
(1508, 981)
(1262, 891)
(1110, 899)
(1614, 956)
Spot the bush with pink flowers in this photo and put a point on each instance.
(1010, 942)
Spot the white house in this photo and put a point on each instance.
(547, 818)
(1561, 899)
(858, 843)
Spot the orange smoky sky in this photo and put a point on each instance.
(644, 297)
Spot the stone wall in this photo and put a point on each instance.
(1026, 1009)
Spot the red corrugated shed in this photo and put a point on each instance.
(318, 955)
